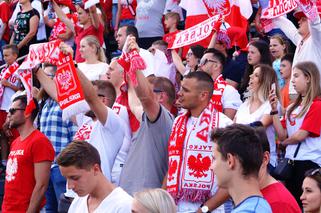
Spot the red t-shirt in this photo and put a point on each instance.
(170, 37)
(20, 180)
(60, 28)
(280, 199)
(81, 33)
(312, 120)
(5, 15)
(125, 12)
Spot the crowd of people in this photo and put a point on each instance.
(230, 123)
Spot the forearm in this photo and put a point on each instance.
(2, 30)
(296, 138)
(48, 84)
(13, 87)
(65, 36)
(62, 16)
(282, 132)
(288, 28)
(213, 39)
(94, 17)
(37, 195)
(178, 62)
(27, 39)
(87, 87)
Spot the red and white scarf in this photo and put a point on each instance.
(6, 73)
(195, 33)
(192, 158)
(221, 7)
(219, 87)
(70, 95)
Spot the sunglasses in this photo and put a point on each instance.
(205, 61)
(157, 90)
(316, 171)
(13, 110)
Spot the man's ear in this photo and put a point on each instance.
(231, 160)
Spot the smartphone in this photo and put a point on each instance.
(273, 87)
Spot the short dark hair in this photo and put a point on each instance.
(216, 54)
(261, 134)
(13, 47)
(107, 88)
(205, 81)
(24, 102)
(243, 142)
(288, 57)
(160, 43)
(165, 85)
(198, 51)
(132, 30)
(80, 154)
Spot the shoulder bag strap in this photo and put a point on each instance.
(296, 150)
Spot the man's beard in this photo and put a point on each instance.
(90, 114)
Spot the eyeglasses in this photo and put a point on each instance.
(189, 54)
(13, 110)
(205, 61)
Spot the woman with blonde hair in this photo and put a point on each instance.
(153, 201)
(300, 132)
(255, 111)
(95, 60)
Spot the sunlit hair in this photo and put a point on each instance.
(281, 41)
(266, 78)
(314, 174)
(92, 41)
(309, 70)
(156, 201)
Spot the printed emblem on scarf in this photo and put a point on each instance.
(199, 165)
(217, 7)
(172, 169)
(64, 79)
(12, 169)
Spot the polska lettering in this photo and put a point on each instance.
(69, 99)
(195, 33)
(278, 7)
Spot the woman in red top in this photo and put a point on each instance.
(89, 20)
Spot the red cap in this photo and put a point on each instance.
(67, 3)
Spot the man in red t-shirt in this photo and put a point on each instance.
(279, 198)
(29, 162)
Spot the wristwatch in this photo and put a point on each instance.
(205, 209)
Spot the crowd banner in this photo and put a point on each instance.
(217, 7)
(278, 8)
(69, 93)
(89, 3)
(309, 8)
(195, 33)
(26, 80)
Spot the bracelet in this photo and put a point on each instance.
(274, 112)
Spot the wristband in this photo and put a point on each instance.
(274, 112)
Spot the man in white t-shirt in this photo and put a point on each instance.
(106, 132)
(225, 97)
(80, 163)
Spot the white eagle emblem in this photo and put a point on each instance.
(64, 79)
(216, 6)
(12, 169)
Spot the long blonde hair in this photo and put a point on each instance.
(309, 70)
(266, 78)
(156, 201)
(93, 41)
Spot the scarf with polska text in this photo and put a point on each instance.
(189, 176)
(219, 87)
(70, 95)
(6, 73)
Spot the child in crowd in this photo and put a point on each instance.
(171, 22)
(286, 70)
(10, 83)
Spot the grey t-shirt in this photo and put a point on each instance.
(147, 159)
(149, 15)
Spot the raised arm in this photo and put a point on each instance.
(282, 132)
(62, 16)
(47, 84)
(178, 62)
(94, 16)
(288, 28)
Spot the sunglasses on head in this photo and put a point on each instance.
(13, 110)
(316, 171)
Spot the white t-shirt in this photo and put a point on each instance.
(122, 154)
(8, 92)
(106, 138)
(243, 116)
(118, 201)
(93, 71)
(231, 98)
(184, 206)
(149, 60)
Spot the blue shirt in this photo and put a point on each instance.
(59, 132)
(253, 204)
